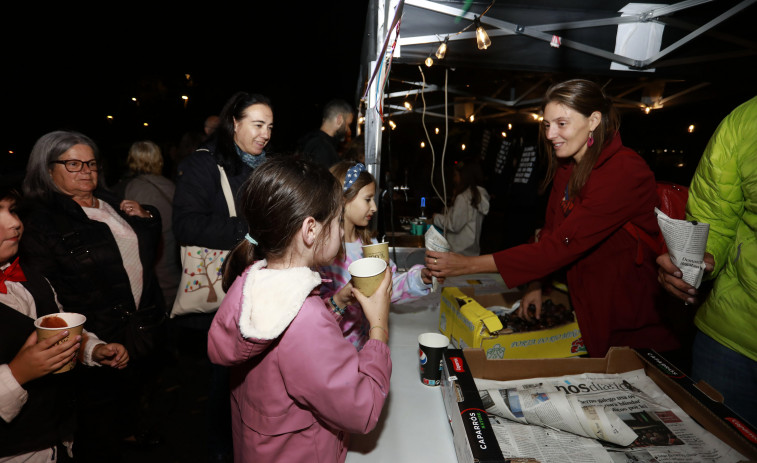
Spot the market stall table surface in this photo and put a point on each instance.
(414, 425)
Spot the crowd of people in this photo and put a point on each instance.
(298, 357)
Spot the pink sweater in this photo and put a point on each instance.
(298, 387)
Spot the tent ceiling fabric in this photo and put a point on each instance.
(509, 78)
(521, 31)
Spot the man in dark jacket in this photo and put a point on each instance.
(321, 146)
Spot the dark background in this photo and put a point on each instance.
(67, 68)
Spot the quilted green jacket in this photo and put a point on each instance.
(723, 193)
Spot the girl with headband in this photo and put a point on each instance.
(359, 190)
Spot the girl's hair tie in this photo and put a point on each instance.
(352, 174)
(250, 239)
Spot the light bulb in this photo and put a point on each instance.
(482, 38)
(408, 106)
(429, 61)
(442, 50)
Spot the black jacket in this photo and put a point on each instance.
(200, 214)
(319, 147)
(82, 261)
(47, 417)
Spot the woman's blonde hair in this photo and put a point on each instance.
(145, 158)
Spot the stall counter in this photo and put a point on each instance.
(414, 425)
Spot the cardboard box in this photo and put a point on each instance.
(699, 401)
(464, 319)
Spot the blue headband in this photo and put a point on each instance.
(352, 174)
(250, 239)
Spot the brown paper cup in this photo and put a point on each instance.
(380, 250)
(74, 322)
(367, 274)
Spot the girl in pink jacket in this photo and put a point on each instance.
(298, 388)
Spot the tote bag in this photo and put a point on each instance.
(200, 289)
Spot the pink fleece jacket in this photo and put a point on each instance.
(298, 387)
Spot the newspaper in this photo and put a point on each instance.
(686, 243)
(435, 241)
(596, 418)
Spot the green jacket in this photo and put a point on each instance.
(723, 193)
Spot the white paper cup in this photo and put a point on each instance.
(431, 347)
(380, 250)
(367, 274)
(74, 325)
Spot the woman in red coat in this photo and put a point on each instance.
(598, 186)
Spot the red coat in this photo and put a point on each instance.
(613, 297)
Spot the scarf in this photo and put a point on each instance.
(250, 160)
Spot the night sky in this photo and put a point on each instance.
(62, 71)
(66, 69)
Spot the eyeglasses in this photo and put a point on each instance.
(75, 165)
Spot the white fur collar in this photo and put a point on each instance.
(272, 298)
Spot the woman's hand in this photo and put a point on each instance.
(532, 295)
(113, 355)
(36, 359)
(132, 208)
(376, 307)
(671, 278)
(446, 264)
(450, 264)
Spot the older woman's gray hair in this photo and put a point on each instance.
(38, 184)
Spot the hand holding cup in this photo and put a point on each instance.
(40, 357)
(376, 307)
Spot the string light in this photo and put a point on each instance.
(408, 106)
(423, 144)
(442, 50)
(429, 61)
(691, 128)
(392, 124)
(482, 38)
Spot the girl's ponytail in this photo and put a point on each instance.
(238, 259)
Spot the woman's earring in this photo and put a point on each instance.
(590, 141)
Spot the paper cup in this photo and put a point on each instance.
(367, 274)
(380, 250)
(74, 325)
(431, 347)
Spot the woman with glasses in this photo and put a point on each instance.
(98, 253)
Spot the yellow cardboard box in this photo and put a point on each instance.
(464, 319)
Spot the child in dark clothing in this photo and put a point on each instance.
(36, 407)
